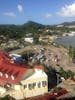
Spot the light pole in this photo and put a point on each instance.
(57, 78)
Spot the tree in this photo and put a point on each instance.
(63, 73)
(70, 51)
(70, 74)
(66, 74)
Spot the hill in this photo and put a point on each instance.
(18, 31)
(69, 23)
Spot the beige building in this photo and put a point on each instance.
(19, 80)
(36, 84)
(30, 86)
(47, 38)
(29, 39)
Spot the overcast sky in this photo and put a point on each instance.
(41, 11)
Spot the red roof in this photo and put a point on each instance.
(38, 67)
(47, 96)
(10, 72)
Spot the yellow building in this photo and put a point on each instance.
(19, 80)
(47, 38)
(30, 86)
(36, 84)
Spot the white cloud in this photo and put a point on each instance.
(68, 11)
(20, 8)
(48, 15)
(10, 14)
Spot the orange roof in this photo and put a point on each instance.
(10, 72)
(38, 66)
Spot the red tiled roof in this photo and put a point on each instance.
(11, 70)
(38, 66)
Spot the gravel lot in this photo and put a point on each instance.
(49, 55)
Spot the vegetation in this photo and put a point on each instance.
(66, 74)
(7, 97)
(19, 31)
(56, 89)
(72, 53)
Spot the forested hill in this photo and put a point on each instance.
(68, 23)
(34, 24)
(18, 31)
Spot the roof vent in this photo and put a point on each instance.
(12, 77)
(1, 74)
(6, 75)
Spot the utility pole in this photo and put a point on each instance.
(57, 78)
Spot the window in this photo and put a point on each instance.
(30, 86)
(44, 83)
(25, 86)
(34, 84)
(39, 84)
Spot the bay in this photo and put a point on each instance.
(66, 41)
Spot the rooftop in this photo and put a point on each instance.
(10, 72)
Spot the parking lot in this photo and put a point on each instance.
(49, 55)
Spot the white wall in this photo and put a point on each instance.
(30, 40)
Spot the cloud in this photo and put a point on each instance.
(67, 11)
(20, 8)
(48, 15)
(10, 14)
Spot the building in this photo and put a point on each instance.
(20, 81)
(36, 84)
(29, 39)
(16, 57)
(71, 33)
(47, 38)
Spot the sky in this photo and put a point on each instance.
(48, 12)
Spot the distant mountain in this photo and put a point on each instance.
(33, 24)
(16, 31)
(29, 24)
(68, 24)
